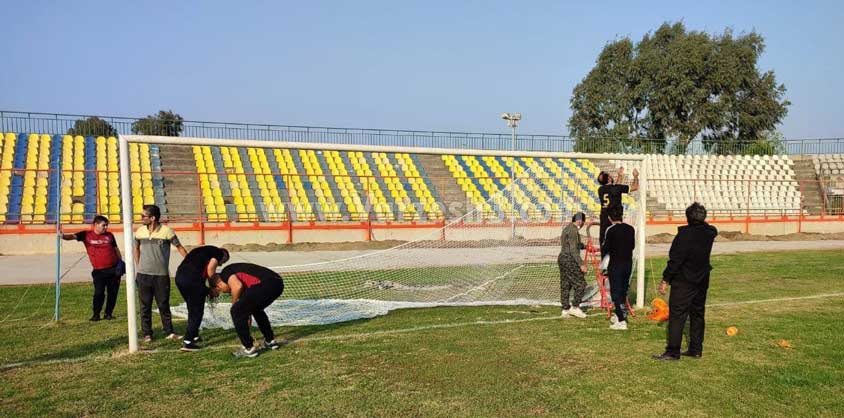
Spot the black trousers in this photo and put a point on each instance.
(252, 303)
(687, 300)
(157, 287)
(192, 287)
(106, 287)
(619, 276)
(602, 233)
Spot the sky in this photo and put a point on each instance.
(443, 66)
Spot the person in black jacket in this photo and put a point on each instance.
(687, 273)
(619, 242)
(198, 267)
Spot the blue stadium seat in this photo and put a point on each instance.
(53, 184)
(90, 179)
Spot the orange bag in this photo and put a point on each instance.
(659, 310)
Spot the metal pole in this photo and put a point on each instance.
(58, 231)
(643, 210)
(512, 179)
(128, 249)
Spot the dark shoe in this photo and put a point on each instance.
(190, 347)
(692, 355)
(665, 357)
(94, 318)
(197, 339)
(274, 345)
(108, 317)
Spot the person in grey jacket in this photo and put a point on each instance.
(572, 267)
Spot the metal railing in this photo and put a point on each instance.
(55, 123)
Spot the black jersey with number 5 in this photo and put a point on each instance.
(610, 196)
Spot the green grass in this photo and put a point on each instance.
(395, 366)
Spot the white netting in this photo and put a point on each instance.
(477, 259)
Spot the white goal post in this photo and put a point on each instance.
(128, 215)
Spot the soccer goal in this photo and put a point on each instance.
(494, 236)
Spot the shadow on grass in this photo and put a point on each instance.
(217, 337)
(78, 352)
(292, 334)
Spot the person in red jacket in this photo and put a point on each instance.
(106, 260)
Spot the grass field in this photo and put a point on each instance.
(450, 362)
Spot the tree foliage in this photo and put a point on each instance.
(165, 123)
(768, 143)
(92, 126)
(675, 86)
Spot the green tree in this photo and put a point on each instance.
(165, 123)
(675, 86)
(92, 126)
(768, 143)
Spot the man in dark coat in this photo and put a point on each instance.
(687, 273)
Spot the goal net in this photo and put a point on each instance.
(497, 243)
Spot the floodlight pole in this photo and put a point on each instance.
(128, 249)
(513, 122)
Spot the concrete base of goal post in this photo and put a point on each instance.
(128, 244)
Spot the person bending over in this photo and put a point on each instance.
(252, 289)
(199, 265)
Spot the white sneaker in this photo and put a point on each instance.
(613, 319)
(619, 326)
(565, 313)
(575, 311)
(246, 352)
(173, 337)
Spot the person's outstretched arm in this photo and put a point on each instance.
(635, 185)
(79, 236)
(174, 240)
